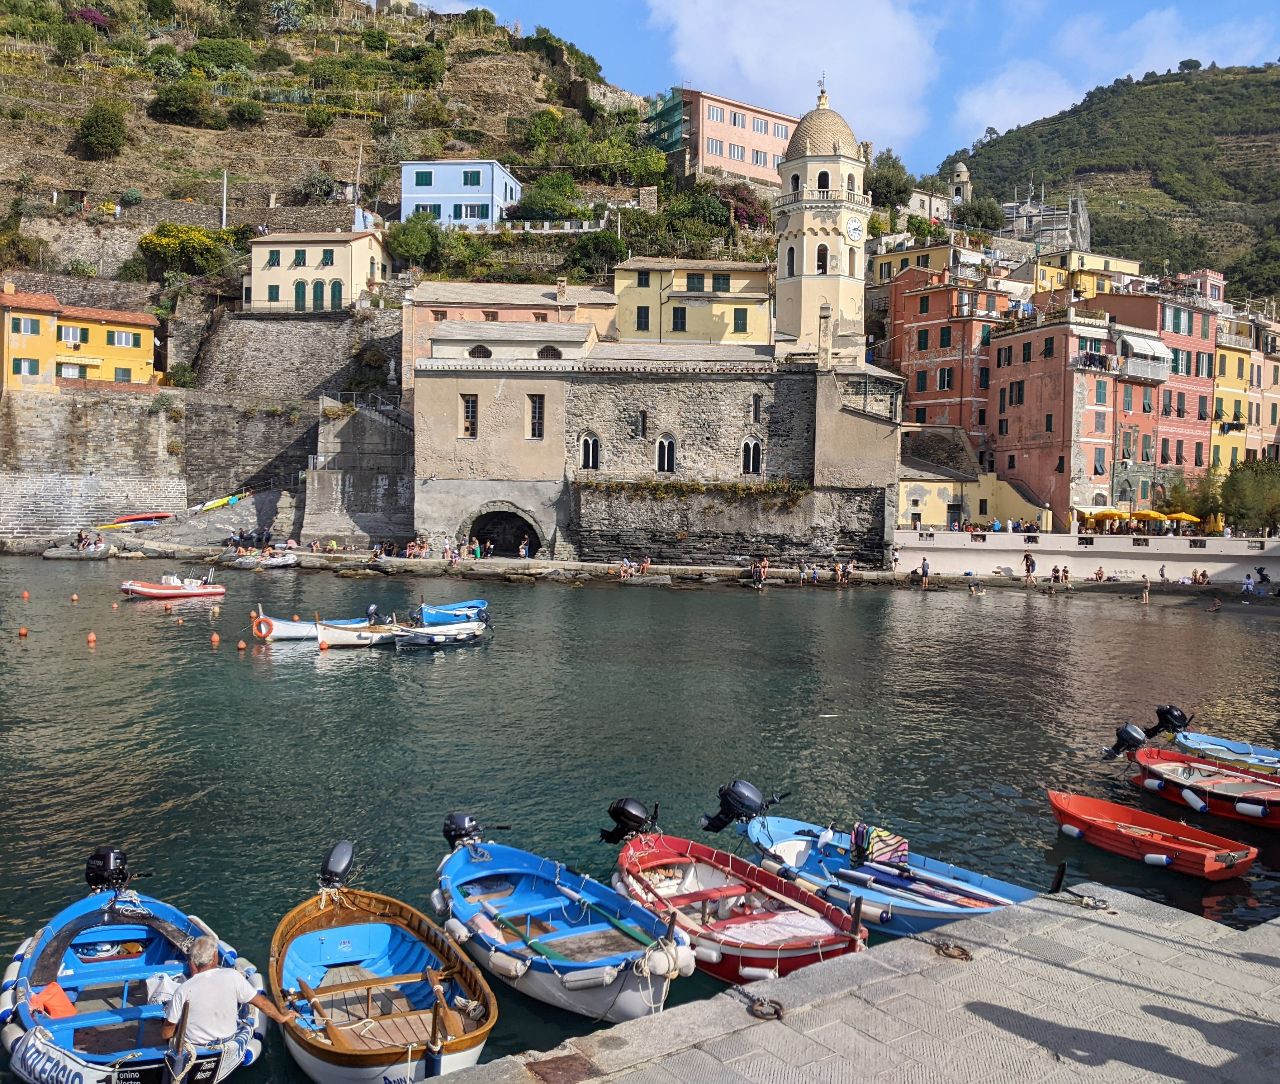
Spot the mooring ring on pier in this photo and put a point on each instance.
(765, 1008)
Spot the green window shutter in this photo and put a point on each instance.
(273, 293)
(740, 321)
(137, 340)
(15, 325)
(482, 210)
(17, 367)
(457, 212)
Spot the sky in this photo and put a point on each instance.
(922, 78)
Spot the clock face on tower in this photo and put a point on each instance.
(853, 229)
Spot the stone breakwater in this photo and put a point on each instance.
(1051, 992)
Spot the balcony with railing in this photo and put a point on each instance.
(1144, 370)
(802, 196)
(1240, 342)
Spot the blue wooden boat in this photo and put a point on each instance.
(912, 892)
(83, 1000)
(553, 934)
(1257, 758)
(476, 609)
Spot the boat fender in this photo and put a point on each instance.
(457, 931)
(21, 954)
(6, 1007)
(507, 967)
(1251, 809)
(1194, 800)
(686, 961)
(770, 865)
(10, 1034)
(756, 974)
(620, 885)
(708, 954)
(252, 1051)
(590, 978)
(1153, 784)
(437, 901)
(10, 975)
(660, 958)
(1072, 831)
(1158, 859)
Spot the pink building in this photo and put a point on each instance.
(708, 133)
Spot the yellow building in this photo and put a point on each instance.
(313, 272)
(693, 301)
(931, 496)
(1074, 275)
(1233, 406)
(884, 267)
(44, 342)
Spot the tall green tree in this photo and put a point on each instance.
(416, 240)
(888, 181)
(102, 132)
(983, 213)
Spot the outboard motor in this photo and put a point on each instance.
(461, 829)
(739, 801)
(107, 869)
(336, 867)
(1262, 574)
(630, 818)
(1130, 738)
(1170, 719)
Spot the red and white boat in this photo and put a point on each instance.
(1209, 787)
(171, 587)
(744, 922)
(1152, 840)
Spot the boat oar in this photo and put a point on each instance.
(613, 920)
(529, 942)
(331, 1030)
(451, 1019)
(945, 882)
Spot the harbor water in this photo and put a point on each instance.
(230, 772)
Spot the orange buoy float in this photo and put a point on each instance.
(241, 645)
(296, 617)
(91, 639)
(215, 639)
(168, 607)
(26, 595)
(22, 633)
(323, 646)
(75, 598)
(115, 605)
(253, 614)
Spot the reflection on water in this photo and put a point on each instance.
(230, 772)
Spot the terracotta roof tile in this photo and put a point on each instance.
(34, 302)
(118, 316)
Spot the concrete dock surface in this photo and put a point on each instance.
(1053, 992)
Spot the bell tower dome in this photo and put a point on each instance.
(821, 221)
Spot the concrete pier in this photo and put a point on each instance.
(1052, 993)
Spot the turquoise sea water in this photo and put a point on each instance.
(229, 773)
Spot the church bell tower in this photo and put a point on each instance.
(821, 221)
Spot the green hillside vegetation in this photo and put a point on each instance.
(1179, 167)
(301, 96)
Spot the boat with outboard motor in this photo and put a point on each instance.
(745, 922)
(381, 991)
(475, 609)
(1171, 720)
(1152, 840)
(84, 999)
(273, 630)
(1208, 787)
(174, 587)
(553, 934)
(903, 893)
(447, 635)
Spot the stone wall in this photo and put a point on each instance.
(359, 506)
(722, 526)
(91, 293)
(103, 247)
(293, 357)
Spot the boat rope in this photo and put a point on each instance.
(947, 949)
(762, 1008)
(1080, 899)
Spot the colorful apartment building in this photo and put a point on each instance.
(1237, 407)
(1071, 275)
(937, 335)
(693, 301)
(466, 193)
(313, 272)
(702, 132)
(45, 343)
(1268, 339)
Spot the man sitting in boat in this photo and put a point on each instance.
(214, 995)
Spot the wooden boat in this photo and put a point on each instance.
(276, 629)
(745, 922)
(1149, 839)
(476, 609)
(332, 634)
(556, 935)
(1241, 754)
(903, 893)
(171, 587)
(382, 992)
(82, 998)
(461, 632)
(1208, 787)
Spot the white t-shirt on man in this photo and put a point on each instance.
(215, 997)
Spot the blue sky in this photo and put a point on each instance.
(921, 78)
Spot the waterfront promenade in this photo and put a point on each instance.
(1052, 993)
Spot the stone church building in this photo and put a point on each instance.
(595, 441)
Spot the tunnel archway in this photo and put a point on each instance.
(505, 526)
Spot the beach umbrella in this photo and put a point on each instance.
(1183, 517)
(1108, 513)
(1149, 514)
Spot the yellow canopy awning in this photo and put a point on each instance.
(1183, 517)
(1149, 514)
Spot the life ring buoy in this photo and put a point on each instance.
(263, 627)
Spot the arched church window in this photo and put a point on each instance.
(590, 452)
(666, 455)
(751, 456)
(852, 184)
(822, 259)
(824, 180)
(791, 262)
(795, 182)
(550, 353)
(479, 351)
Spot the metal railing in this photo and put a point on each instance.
(1241, 342)
(1145, 369)
(821, 195)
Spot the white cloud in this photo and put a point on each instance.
(878, 57)
(1089, 50)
